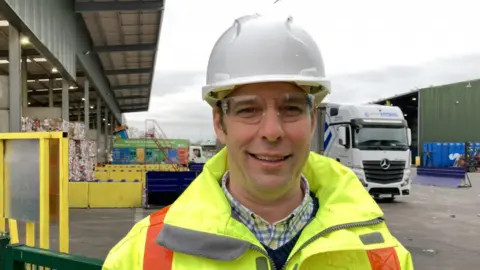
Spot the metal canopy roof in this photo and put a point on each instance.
(125, 35)
(39, 69)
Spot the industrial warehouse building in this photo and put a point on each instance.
(81, 64)
(446, 113)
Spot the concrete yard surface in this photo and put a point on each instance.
(440, 227)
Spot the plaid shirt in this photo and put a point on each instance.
(277, 234)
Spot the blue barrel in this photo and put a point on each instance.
(117, 156)
(476, 146)
(427, 157)
(124, 152)
(445, 154)
(475, 149)
(451, 156)
(436, 155)
(461, 148)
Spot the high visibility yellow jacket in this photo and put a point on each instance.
(198, 232)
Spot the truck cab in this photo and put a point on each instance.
(372, 140)
(196, 154)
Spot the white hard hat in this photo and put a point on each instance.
(264, 49)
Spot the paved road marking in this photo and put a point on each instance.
(138, 214)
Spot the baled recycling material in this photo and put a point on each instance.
(82, 153)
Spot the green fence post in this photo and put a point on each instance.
(15, 257)
(4, 241)
(10, 262)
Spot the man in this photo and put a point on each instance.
(265, 201)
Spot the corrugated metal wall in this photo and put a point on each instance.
(450, 113)
(53, 23)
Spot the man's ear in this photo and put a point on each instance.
(218, 125)
(314, 121)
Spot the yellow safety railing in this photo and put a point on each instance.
(34, 185)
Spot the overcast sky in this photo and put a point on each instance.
(372, 49)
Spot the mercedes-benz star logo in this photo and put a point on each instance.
(385, 164)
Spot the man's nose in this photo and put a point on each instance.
(271, 126)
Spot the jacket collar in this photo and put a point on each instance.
(343, 198)
(204, 211)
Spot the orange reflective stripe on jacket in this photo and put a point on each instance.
(198, 231)
(384, 258)
(156, 257)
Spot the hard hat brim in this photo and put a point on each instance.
(319, 87)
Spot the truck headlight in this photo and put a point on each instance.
(407, 179)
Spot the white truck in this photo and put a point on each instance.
(372, 140)
(196, 154)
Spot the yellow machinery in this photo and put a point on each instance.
(34, 185)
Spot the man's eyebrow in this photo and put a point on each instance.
(242, 101)
(295, 99)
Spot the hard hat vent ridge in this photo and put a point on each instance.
(264, 49)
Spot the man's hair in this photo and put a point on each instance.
(219, 110)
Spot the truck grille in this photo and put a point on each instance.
(376, 174)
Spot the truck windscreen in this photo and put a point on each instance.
(380, 138)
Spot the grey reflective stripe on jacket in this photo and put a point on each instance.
(211, 246)
(223, 248)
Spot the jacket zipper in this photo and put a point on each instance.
(272, 263)
(332, 229)
(318, 235)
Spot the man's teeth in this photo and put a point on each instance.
(269, 158)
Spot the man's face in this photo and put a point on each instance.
(267, 137)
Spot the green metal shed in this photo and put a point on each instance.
(449, 113)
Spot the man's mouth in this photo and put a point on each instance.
(270, 158)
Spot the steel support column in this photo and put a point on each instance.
(98, 127)
(106, 134)
(14, 80)
(50, 92)
(65, 101)
(24, 82)
(87, 106)
(79, 113)
(112, 129)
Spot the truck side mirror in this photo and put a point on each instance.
(342, 136)
(409, 136)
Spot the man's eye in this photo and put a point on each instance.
(292, 110)
(246, 111)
